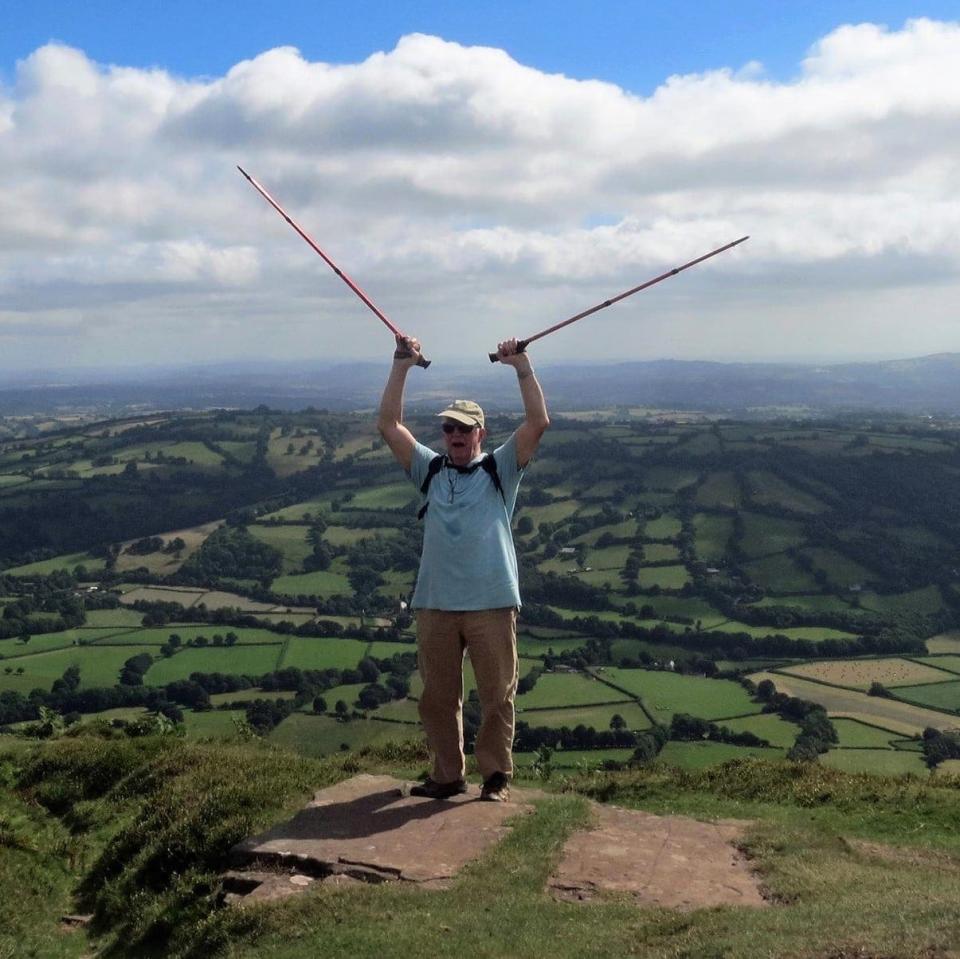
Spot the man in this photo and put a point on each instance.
(467, 594)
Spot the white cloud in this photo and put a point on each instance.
(453, 182)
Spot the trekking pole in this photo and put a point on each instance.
(523, 344)
(423, 361)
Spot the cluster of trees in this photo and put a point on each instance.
(530, 738)
(689, 728)
(938, 746)
(817, 734)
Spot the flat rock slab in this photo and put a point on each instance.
(668, 861)
(368, 827)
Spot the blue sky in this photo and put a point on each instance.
(636, 45)
(481, 170)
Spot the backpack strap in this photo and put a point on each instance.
(487, 463)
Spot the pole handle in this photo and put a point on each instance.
(521, 348)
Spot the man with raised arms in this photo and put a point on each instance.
(467, 594)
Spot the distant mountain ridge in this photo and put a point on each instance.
(926, 384)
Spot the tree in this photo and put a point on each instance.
(319, 705)
(617, 722)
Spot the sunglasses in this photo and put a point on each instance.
(457, 428)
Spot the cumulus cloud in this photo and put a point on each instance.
(474, 197)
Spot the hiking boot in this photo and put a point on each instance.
(434, 790)
(496, 788)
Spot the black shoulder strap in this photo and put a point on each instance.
(434, 467)
(488, 464)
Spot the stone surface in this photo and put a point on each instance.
(669, 861)
(370, 828)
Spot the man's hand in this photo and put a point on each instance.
(407, 353)
(509, 352)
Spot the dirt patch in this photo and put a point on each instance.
(669, 861)
(369, 828)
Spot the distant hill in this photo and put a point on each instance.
(929, 384)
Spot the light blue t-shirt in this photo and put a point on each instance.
(469, 561)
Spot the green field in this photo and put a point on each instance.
(327, 582)
(665, 693)
(664, 577)
(768, 489)
(768, 726)
(857, 735)
(780, 574)
(720, 489)
(290, 540)
(114, 617)
(839, 569)
(67, 562)
(927, 600)
(569, 759)
(768, 534)
(711, 535)
(663, 527)
(935, 695)
(529, 647)
(949, 663)
(596, 716)
(238, 660)
(322, 735)
(159, 635)
(99, 666)
(879, 762)
(701, 755)
(11, 649)
(313, 653)
(344, 536)
(567, 689)
(212, 724)
(390, 496)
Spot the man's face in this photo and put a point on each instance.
(462, 442)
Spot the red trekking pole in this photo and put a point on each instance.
(523, 344)
(423, 361)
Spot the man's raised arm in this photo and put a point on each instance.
(390, 419)
(535, 419)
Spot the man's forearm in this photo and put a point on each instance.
(534, 404)
(391, 403)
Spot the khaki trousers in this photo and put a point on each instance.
(490, 637)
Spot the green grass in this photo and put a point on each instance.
(159, 635)
(660, 553)
(66, 562)
(568, 759)
(158, 817)
(239, 660)
(212, 724)
(702, 755)
(317, 736)
(780, 574)
(567, 689)
(665, 577)
(711, 535)
(290, 540)
(390, 496)
(768, 726)
(114, 617)
(665, 693)
(880, 762)
(840, 570)
(530, 647)
(668, 478)
(950, 663)
(769, 489)
(927, 600)
(99, 666)
(853, 734)
(769, 534)
(344, 536)
(596, 716)
(720, 489)
(11, 649)
(329, 582)
(314, 653)
(935, 695)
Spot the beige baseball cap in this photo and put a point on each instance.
(464, 411)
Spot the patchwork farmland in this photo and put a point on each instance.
(669, 565)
